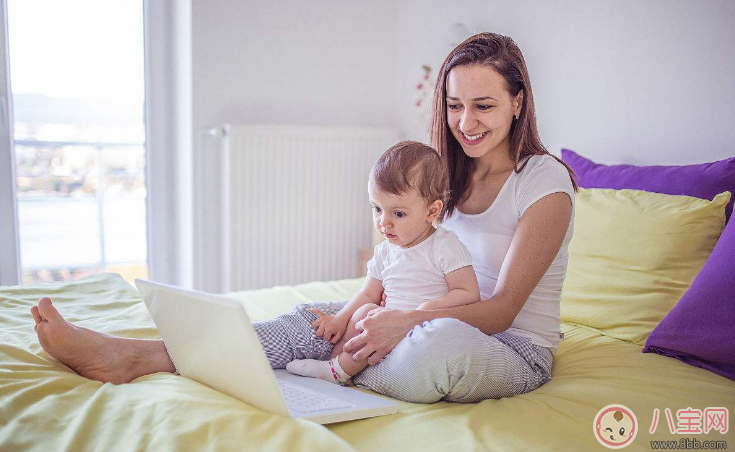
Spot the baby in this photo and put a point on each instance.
(419, 266)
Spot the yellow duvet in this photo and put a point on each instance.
(44, 406)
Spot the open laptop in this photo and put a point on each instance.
(210, 340)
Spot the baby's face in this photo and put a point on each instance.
(402, 219)
(616, 431)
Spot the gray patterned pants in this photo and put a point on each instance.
(444, 359)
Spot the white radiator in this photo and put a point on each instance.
(279, 205)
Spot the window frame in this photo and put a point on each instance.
(9, 249)
(168, 123)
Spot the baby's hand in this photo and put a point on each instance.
(330, 327)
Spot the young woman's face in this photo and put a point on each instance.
(404, 220)
(480, 110)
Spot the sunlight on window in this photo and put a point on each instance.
(78, 100)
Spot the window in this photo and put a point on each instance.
(77, 81)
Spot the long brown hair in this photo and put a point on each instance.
(503, 55)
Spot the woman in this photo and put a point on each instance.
(511, 203)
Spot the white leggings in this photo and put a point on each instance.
(444, 359)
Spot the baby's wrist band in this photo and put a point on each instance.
(340, 376)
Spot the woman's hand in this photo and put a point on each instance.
(380, 331)
(330, 327)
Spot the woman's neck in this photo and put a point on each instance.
(493, 163)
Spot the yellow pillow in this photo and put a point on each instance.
(633, 255)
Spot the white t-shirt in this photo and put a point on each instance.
(488, 236)
(414, 275)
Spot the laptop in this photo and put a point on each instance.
(210, 340)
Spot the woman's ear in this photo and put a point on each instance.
(518, 103)
(435, 208)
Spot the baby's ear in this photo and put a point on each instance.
(435, 208)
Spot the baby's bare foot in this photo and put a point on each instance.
(93, 355)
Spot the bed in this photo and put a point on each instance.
(45, 406)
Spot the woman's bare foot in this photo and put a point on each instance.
(95, 355)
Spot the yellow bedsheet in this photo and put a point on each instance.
(44, 406)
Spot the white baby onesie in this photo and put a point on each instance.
(412, 276)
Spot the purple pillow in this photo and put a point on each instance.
(703, 181)
(700, 329)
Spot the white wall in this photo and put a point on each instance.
(620, 81)
(647, 82)
(293, 62)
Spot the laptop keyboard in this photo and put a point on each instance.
(305, 401)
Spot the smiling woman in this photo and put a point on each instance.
(483, 101)
(482, 119)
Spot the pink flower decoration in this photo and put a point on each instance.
(419, 86)
(418, 103)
